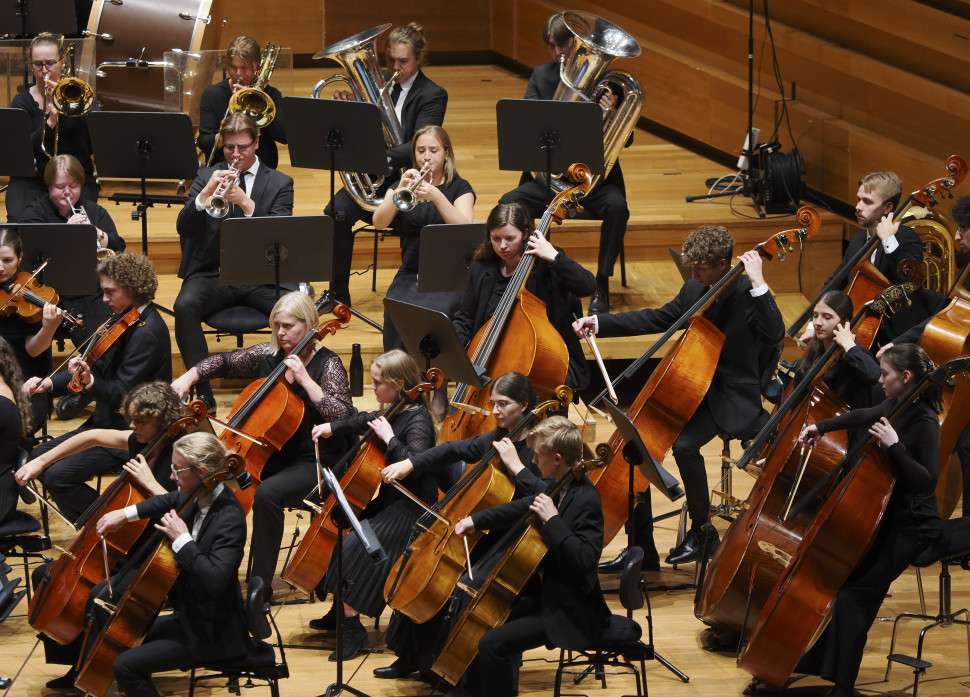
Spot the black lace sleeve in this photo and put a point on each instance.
(413, 433)
(336, 402)
(239, 364)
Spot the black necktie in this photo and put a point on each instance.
(242, 182)
(395, 93)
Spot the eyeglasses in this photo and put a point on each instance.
(238, 148)
(501, 403)
(176, 470)
(40, 65)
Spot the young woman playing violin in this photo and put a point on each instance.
(910, 445)
(391, 514)
(136, 349)
(30, 341)
(318, 377)
(14, 422)
(556, 279)
(439, 196)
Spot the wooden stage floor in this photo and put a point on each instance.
(658, 177)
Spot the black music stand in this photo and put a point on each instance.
(428, 335)
(16, 155)
(276, 249)
(538, 135)
(31, 17)
(72, 250)
(444, 256)
(143, 145)
(345, 519)
(338, 136)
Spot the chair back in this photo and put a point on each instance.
(256, 609)
(631, 589)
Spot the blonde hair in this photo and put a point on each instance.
(441, 135)
(886, 184)
(300, 306)
(557, 435)
(202, 449)
(68, 164)
(411, 34)
(398, 365)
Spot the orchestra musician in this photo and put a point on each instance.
(607, 200)
(747, 314)
(440, 197)
(258, 190)
(242, 63)
(46, 55)
(556, 279)
(391, 514)
(29, 341)
(567, 608)
(15, 420)
(418, 102)
(141, 354)
(209, 623)
(910, 446)
(318, 378)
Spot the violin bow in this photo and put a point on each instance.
(84, 348)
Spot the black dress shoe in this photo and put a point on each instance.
(65, 682)
(600, 303)
(327, 623)
(398, 669)
(70, 406)
(616, 566)
(692, 547)
(354, 638)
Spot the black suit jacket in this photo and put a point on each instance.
(215, 101)
(424, 106)
(207, 595)
(558, 285)
(571, 600)
(199, 232)
(910, 247)
(751, 326)
(143, 353)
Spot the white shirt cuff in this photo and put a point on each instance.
(181, 541)
(199, 203)
(891, 245)
(759, 291)
(131, 513)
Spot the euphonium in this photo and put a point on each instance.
(583, 77)
(404, 198)
(217, 206)
(358, 56)
(71, 96)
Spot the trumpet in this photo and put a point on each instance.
(217, 206)
(103, 252)
(404, 197)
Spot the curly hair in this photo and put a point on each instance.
(153, 400)
(11, 374)
(133, 272)
(708, 244)
(961, 212)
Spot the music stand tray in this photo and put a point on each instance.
(73, 251)
(529, 128)
(430, 339)
(444, 256)
(247, 250)
(17, 154)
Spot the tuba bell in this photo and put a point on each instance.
(583, 76)
(358, 56)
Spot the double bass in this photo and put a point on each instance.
(518, 337)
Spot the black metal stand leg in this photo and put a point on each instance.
(671, 667)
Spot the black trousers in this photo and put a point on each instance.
(605, 202)
(201, 296)
(66, 479)
(500, 652)
(963, 452)
(163, 649)
(345, 213)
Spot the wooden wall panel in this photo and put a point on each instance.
(297, 23)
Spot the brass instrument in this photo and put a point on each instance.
(71, 96)
(103, 252)
(253, 100)
(404, 198)
(217, 206)
(935, 229)
(583, 76)
(358, 56)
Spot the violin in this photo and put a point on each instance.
(57, 607)
(425, 575)
(101, 341)
(359, 483)
(134, 613)
(30, 298)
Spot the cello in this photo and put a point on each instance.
(424, 576)
(361, 466)
(518, 337)
(798, 605)
(267, 413)
(57, 607)
(679, 383)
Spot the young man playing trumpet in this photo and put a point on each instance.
(250, 188)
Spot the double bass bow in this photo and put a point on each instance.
(361, 467)
(679, 383)
(518, 337)
(424, 576)
(267, 413)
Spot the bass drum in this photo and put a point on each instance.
(131, 37)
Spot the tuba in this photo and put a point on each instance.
(358, 56)
(71, 96)
(583, 77)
